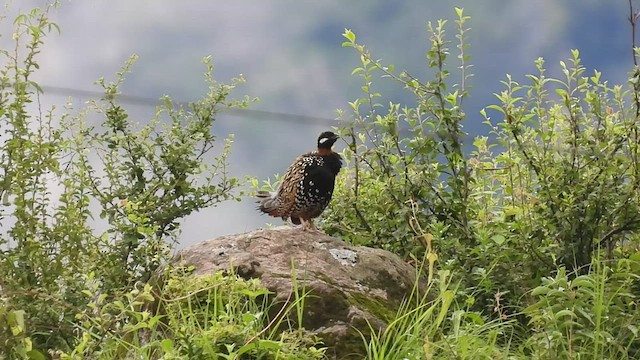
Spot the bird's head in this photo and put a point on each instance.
(326, 140)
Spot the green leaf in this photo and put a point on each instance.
(563, 313)
(254, 293)
(498, 239)
(154, 320)
(248, 318)
(540, 290)
(35, 355)
(495, 107)
(16, 320)
(166, 345)
(349, 35)
(269, 344)
(583, 281)
(575, 53)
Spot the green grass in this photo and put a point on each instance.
(200, 317)
(593, 316)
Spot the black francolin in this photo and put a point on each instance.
(307, 185)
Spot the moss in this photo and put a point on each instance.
(325, 278)
(352, 347)
(374, 307)
(397, 288)
(324, 306)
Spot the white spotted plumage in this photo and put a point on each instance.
(307, 185)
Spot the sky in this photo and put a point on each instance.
(291, 56)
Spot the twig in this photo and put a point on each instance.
(354, 148)
(633, 19)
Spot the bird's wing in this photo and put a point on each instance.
(291, 184)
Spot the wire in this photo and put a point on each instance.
(308, 120)
(147, 101)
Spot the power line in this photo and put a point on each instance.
(240, 112)
(147, 101)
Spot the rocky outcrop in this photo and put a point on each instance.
(351, 286)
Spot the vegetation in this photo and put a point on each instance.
(75, 294)
(538, 224)
(529, 238)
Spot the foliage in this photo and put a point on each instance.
(200, 317)
(571, 163)
(220, 314)
(149, 178)
(530, 235)
(110, 328)
(13, 332)
(591, 316)
(392, 171)
(554, 187)
(437, 328)
(596, 314)
(563, 183)
(57, 170)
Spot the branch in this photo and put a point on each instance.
(633, 20)
(625, 227)
(354, 149)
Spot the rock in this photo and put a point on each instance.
(351, 286)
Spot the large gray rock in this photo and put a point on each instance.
(350, 285)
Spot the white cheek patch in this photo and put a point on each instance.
(322, 141)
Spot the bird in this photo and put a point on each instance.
(306, 187)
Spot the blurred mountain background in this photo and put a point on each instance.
(291, 56)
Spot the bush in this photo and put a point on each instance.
(571, 163)
(594, 314)
(143, 179)
(392, 175)
(555, 184)
(200, 317)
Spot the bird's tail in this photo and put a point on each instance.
(268, 202)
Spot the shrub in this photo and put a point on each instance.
(570, 163)
(144, 179)
(595, 314)
(392, 174)
(557, 179)
(201, 317)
